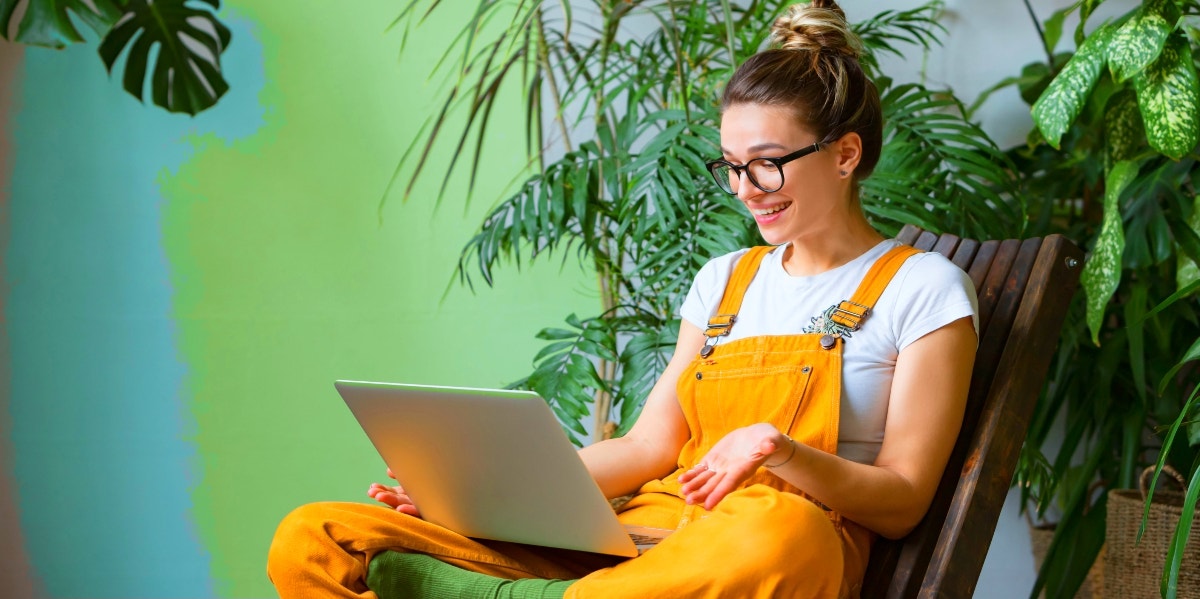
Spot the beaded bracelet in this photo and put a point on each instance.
(790, 455)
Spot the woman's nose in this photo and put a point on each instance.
(747, 190)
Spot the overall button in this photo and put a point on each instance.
(699, 376)
(828, 341)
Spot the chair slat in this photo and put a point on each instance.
(926, 241)
(993, 282)
(908, 234)
(965, 254)
(1006, 299)
(979, 266)
(946, 244)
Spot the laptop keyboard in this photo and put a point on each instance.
(644, 539)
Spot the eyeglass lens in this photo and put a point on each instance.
(763, 174)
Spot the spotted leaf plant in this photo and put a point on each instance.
(1151, 52)
(1113, 163)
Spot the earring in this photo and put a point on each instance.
(843, 173)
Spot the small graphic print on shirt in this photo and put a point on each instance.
(825, 325)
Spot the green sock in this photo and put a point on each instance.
(395, 575)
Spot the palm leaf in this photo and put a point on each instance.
(565, 374)
(890, 30)
(979, 182)
(645, 355)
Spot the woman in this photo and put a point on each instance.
(778, 443)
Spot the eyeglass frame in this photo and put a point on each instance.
(778, 162)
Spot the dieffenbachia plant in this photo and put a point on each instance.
(1157, 99)
(1125, 111)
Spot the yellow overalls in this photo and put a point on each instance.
(766, 539)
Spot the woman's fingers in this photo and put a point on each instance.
(408, 508)
(719, 491)
(393, 497)
(705, 487)
(385, 495)
(691, 475)
(695, 481)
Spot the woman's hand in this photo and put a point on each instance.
(730, 462)
(393, 497)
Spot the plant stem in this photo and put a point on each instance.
(552, 81)
(1042, 34)
(603, 405)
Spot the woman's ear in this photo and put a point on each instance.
(848, 151)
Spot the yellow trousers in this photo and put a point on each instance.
(739, 549)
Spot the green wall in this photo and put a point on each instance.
(226, 270)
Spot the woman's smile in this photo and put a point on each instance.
(765, 215)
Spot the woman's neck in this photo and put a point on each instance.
(830, 248)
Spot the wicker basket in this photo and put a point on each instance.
(1039, 541)
(1134, 569)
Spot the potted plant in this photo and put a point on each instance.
(1113, 163)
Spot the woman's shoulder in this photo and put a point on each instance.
(933, 271)
(719, 269)
(933, 292)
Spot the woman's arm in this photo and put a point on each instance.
(925, 411)
(650, 449)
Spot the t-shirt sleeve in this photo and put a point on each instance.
(707, 289)
(933, 294)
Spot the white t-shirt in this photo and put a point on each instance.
(927, 293)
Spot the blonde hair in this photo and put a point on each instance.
(813, 69)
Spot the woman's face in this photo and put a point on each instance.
(814, 196)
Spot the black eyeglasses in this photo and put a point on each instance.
(764, 173)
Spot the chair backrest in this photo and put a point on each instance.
(1024, 288)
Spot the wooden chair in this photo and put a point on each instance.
(1024, 288)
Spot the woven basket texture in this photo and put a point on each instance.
(1133, 569)
(1039, 542)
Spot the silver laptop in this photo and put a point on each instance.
(490, 464)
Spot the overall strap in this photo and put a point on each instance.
(850, 313)
(735, 290)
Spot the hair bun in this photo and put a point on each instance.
(817, 27)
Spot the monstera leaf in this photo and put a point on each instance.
(47, 23)
(187, 70)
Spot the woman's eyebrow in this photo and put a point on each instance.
(757, 148)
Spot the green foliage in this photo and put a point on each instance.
(187, 78)
(1063, 100)
(621, 114)
(937, 170)
(1138, 42)
(1116, 166)
(47, 22)
(1102, 273)
(1169, 96)
(187, 71)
